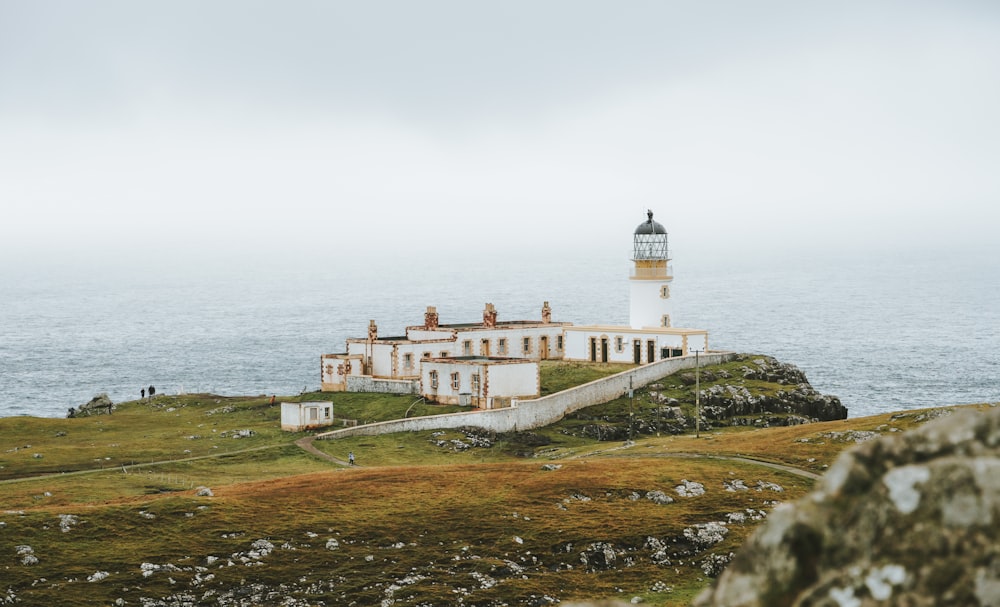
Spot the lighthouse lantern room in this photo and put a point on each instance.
(651, 277)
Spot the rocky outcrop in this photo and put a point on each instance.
(729, 400)
(98, 405)
(902, 520)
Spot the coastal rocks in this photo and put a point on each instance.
(99, 405)
(798, 403)
(910, 519)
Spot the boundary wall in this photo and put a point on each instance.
(367, 383)
(528, 414)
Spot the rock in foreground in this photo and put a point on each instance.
(904, 520)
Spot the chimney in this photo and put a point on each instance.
(431, 318)
(546, 313)
(489, 316)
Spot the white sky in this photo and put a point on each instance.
(209, 127)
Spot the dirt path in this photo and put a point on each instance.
(731, 458)
(306, 444)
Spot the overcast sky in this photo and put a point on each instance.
(214, 126)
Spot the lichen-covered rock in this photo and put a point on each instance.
(599, 556)
(100, 404)
(908, 519)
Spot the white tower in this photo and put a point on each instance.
(649, 283)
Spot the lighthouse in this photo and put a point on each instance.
(651, 277)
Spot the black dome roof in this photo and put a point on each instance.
(650, 227)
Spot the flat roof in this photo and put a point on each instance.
(480, 359)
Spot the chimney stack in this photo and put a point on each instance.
(489, 316)
(431, 318)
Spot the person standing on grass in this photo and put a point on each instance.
(350, 458)
(142, 393)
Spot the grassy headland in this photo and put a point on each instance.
(106, 509)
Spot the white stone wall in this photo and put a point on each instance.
(365, 383)
(539, 412)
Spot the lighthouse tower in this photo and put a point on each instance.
(649, 283)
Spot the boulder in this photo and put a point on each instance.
(908, 519)
(99, 405)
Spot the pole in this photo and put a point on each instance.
(697, 394)
(631, 398)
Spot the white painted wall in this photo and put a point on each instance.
(420, 334)
(515, 340)
(520, 380)
(578, 342)
(330, 377)
(498, 379)
(646, 306)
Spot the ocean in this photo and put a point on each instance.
(882, 334)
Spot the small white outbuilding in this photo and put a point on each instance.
(296, 417)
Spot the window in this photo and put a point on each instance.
(619, 343)
(502, 346)
(467, 347)
(326, 413)
(665, 292)
(454, 381)
(665, 321)
(313, 413)
(526, 347)
(408, 361)
(434, 380)
(475, 382)
(444, 355)
(427, 354)
(559, 343)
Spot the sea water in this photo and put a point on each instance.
(892, 335)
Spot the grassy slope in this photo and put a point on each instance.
(420, 523)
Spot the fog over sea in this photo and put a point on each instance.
(882, 333)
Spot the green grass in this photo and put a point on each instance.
(419, 521)
(556, 375)
(444, 523)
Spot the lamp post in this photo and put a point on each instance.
(697, 394)
(631, 400)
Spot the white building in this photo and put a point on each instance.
(296, 417)
(650, 334)
(486, 382)
(401, 358)
(404, 362)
